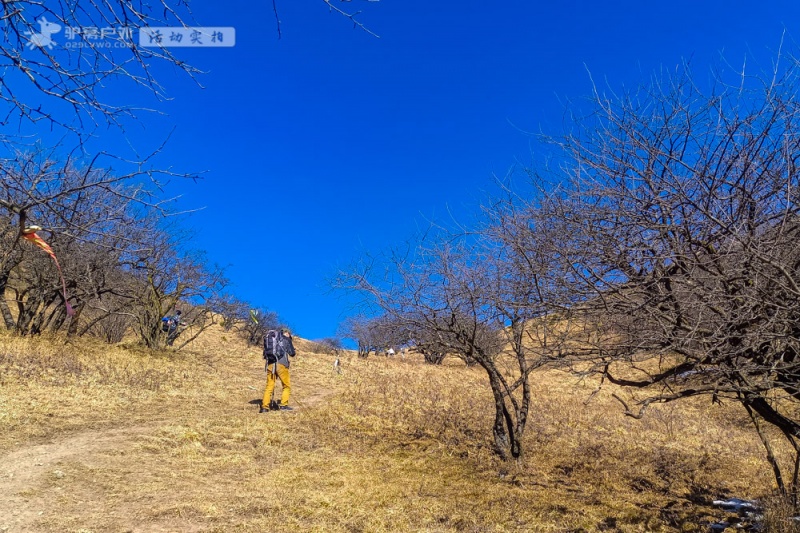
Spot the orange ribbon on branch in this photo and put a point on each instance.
(29, 234)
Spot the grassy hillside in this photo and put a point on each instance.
(100, 438)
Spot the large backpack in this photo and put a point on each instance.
(271, 347)
(276, 346)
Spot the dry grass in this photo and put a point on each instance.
(171, 442)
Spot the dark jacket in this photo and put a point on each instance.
(285, 349)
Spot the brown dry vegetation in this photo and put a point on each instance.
(99, 438)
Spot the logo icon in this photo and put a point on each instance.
(42, 38)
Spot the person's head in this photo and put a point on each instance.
(178, 312)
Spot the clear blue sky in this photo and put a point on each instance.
(329, 142)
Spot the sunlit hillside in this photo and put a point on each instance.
(116, 438)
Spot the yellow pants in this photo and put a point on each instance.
(283, 375)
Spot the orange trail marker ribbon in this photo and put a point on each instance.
(29, 234)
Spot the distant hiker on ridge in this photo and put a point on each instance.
(277, 347)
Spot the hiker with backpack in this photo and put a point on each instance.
(169, 325)
(278, 348)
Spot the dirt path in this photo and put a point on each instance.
(24, 470)
(30, 474)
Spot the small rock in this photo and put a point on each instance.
(58, 474)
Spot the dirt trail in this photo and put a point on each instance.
(27, 474)
(24, 470)
(30, 474)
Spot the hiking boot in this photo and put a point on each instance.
(262, 410)
(286, 408)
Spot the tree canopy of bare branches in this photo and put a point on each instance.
(454, 294)
(373, 334)
(677, 208)
(69, 81)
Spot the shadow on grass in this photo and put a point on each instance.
(695, 509)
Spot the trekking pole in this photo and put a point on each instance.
(274, 384)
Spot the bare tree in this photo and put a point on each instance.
(256, 322)
(165, 277)
(679, 218)
(100, 222)
(358, 329)
(455, 296)
(330, 346)
(69, 79)
(374, 334)
(91, 217)
(56, 65)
